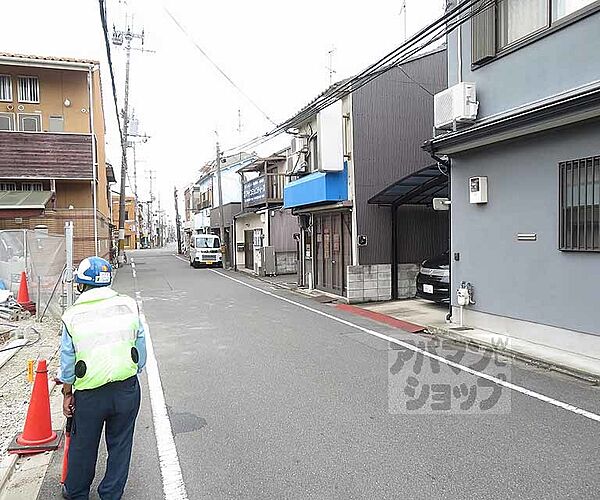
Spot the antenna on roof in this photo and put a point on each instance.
(330, 67)
(403, 14)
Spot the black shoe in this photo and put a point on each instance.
(65, 495)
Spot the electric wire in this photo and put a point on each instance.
(216, 66)
(103, 21)
(424, 38)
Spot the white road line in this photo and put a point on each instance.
(503, 383)
(170, 470)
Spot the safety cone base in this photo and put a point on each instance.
(19, 449)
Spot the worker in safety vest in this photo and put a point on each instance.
(103, 349)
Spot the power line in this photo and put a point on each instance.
(415, 81)
(425, 37)
(102, 5)
(216, 66)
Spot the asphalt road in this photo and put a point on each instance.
(268, 399)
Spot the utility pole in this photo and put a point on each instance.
(118, 37)
(177, 223)
(221, 217)
(151, 208)
(159, 224)
(135, 199)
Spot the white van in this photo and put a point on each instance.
(205, 250)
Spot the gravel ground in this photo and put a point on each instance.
(15, 390)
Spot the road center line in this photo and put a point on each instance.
(170, 470)
(503, 383)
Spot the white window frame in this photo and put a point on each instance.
(37, 79)
(32, 185)
(14, 123)
(10, 88)
(30, 114)
(56, 117)
(8, 186)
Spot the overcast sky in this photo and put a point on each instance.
(275, 51)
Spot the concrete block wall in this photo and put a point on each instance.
(286, 262)
(370, 283)
(407, 280)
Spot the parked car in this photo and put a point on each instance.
(205, 250)
(433, 280)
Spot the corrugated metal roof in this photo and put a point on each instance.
(24, 199)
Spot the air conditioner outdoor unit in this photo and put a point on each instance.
(458, 104)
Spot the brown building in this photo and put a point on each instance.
(130, 220)
(52, 155)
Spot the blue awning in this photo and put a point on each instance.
(316, 188)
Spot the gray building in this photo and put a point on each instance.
(525, 174)
(347, 153)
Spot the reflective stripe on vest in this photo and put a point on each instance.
(103, 326)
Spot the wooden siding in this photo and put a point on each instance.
(45, 155)
(392, 118)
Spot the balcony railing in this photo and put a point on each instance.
(265, 189)
(43, 155)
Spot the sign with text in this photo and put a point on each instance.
(255, 192)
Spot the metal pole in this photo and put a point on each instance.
(177, 223)
(128, 38)
(394, 256)
(39, 298)
(69, 263)
(94, 161)
(135, 198)
(221, 217)
(151, 212)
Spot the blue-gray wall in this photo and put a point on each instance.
(561, 61)
(392, 118)
(532, 281)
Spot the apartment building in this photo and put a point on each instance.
(52, 155)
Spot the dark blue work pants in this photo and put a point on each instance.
(115, 405)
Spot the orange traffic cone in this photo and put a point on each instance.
(23, 295)
(37, 436)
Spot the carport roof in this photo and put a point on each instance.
(418, 188)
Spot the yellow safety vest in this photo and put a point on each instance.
(103, 326)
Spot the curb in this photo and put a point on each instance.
(6, 469)
(7, 466)
(443, 333)
(587, 377)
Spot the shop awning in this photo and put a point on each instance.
(418, 188)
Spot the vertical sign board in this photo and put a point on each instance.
(255, 192)
(330, 138)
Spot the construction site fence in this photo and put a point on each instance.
(43, 258)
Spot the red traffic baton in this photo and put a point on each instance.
(65, 464)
